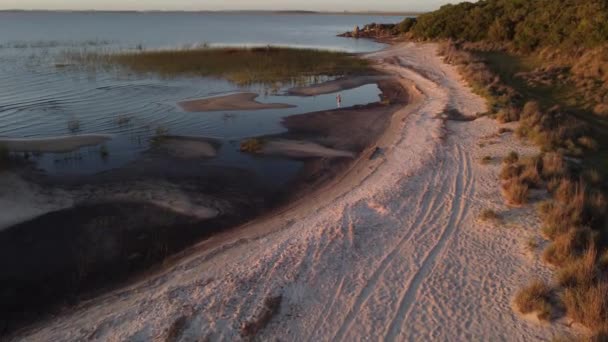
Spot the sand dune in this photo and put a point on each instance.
(240, 101)
(54, 144)
(393, 250)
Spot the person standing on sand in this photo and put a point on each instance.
(339, 100)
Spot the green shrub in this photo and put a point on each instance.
(253, 145)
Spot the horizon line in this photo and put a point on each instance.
(219, 11)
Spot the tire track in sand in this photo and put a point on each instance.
(422, 215)
(463, 183)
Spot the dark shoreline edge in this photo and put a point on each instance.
(94, 248)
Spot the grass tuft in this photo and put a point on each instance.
(516, 193)
(535, 298)
(271, 307)
(489, 215)
(253, 145)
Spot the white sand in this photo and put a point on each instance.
(336, 85)
(302, 149)
(54, 144)
(392, 250)
(239, 101)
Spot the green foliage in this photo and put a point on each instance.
(406, 25)
(240, 65)
(252, 145)
(527, 24)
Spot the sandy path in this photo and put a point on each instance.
(392, 250)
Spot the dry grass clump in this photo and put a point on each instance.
(271, 307)
(531, 172)
(554, 130)
(510, 171)
(568, 246)
(511, 158)
(515, 192)
(588, 304)
(486, 160)
(553, 165)
(489, 215)
(535, 298)
(253, 145)
(508, 114)
(582, 271)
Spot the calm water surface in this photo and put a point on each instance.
(40, 99)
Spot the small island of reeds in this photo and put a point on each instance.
(240, 65)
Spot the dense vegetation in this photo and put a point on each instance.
(544, 63)
(240, 65)
(527, 24)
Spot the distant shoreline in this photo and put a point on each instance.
(255, 12)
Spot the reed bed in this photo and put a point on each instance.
(242, 66)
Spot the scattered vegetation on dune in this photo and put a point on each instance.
(240, 65)
(543, 64)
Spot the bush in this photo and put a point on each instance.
(568, 246)
(253, 145)
(515, 192)
(510, 171)
(530, 174)
(489, 215)
(406, 25)
(581, 271)
(535, 298)
(508, 114)
(486, 160)
(511, 158)
(553, 165)
(588, 304)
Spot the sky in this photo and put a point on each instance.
(193, 5)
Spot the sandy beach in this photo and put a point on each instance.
(390, 249)
(240, 101)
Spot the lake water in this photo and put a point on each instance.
(40, 99)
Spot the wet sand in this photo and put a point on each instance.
(122, 223)
(54, 144)
(240, 101)
(345, 83)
